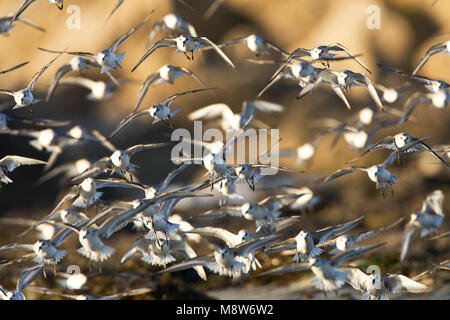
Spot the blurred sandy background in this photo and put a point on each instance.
(408, 29)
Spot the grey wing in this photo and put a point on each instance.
(144, 88)
(116, 6)
(342, 172)
(433, 50)
(331, 232)
(340, 47)
(97, 136)
(397, 283)
(229, 238)
(362, 78)
(199, 261)
(95, 169)
(159, 44)
(307, 89)
(12, 162)
(22, 8)
(357, 278)
(38, 121)
(273, 46)
(119, 41)
(28, 277)
(16, 246)
(383, 143)
(369, 234)
(125, 122)
(394, 154)
(59, 74)
(277, 78)
(203, 41)
(285, 246)
(288, 269)
(350, 254)
(170, 99)
(426, 146)
(222, 212)
(171, 176)
(40, 72)
(140, 245)
(64, 233)
(181, 71)
(408, 236)
(142, 147)
(14, 68)
(413, 101)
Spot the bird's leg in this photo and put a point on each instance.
(187, 56)
(45, 274)
(192, 55)
(382, 193)
(90, 265)
(100, 267)
(392, 191)
(54, 269)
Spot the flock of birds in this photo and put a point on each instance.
(167, 239)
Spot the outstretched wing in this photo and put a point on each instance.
(163, 43)
(14, 68)
(59, 74)
(144, 88)
(125, 122)
(12, 162)
(203, 41)
(342, 172)
(340, 47)
(440, 47)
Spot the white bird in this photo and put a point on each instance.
(159, 112)
(9, 163)
(185, 44)
(398, 141)
(231, 240)
(226, 261)
(230, 120)
(160, 252)
(173, 25)
(350, 79)
(86, 193)
(323, 53)
(73, 281)
(375, 286)
(27, 277)
(306, 243)
(347, 242)
(99, 90)
(77, 64)
(167, 73)
(261, 212)
(256, 44)
(24, 97)
(439, 99)
(425, 221)
(377, 173)
(435, 49)
(329, 275)
(44, 251)
(68, 171)
(118, 161)
(107, 58)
